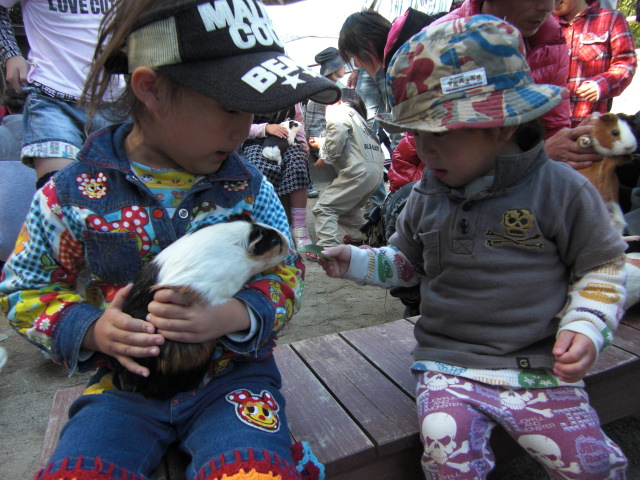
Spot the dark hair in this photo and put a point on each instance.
(110, 57)
(364, 34)
(354, 100)
(276, 117)
(14, 101)
(529, 134)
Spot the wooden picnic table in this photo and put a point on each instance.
(351, 396)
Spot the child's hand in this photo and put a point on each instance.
(589, 91)
(277, 130)
(320, 163)
(121, 336)
(338, 267)
(196, 323)
(17, 68)
(575, 353)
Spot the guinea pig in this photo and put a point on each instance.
(273, 147)
(209, 265)
(613, 137)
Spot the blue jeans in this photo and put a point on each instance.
(54, 128)
(373, 91)
(215, 425)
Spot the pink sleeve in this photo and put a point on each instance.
(258, 130)
(301, 136)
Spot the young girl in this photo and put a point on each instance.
(62, 39)
(521, 276)
(290, 178)
(353, 150)
(194, 71)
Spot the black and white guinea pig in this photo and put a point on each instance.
(273, 147)
(207, 266)
(612, 135)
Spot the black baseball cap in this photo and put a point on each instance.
(227, 50)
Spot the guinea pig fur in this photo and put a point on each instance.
(207, 266)
(273, 147)
(611, 136)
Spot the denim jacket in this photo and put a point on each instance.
(96, 216)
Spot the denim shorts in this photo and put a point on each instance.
(54, 128)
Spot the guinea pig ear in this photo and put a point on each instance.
(244, 217)
(609, 118)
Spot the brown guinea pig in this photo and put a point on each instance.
(612, 137)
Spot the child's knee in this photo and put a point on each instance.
(454, 447)
(589, 457)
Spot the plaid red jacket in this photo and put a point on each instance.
(601, 50)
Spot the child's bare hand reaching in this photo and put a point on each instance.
(338, 267)
(574, 353)
(170, 313)
(123, 337)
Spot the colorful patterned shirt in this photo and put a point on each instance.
(601, 50)
(95, 224)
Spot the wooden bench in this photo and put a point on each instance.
(351, 396)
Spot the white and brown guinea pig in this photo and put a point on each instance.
(612, 137)
(210, 266)
(273, 147)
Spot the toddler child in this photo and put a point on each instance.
(351, 147)
(521, 283)
(196, 72)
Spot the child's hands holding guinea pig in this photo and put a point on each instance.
(276, 130)
(563, 146)
(123, 337)
(175, 320)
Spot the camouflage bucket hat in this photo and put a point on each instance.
(467, 73)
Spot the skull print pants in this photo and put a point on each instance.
(557, 426)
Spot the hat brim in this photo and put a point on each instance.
(272, 90)
(332, 66)
(494, 109)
